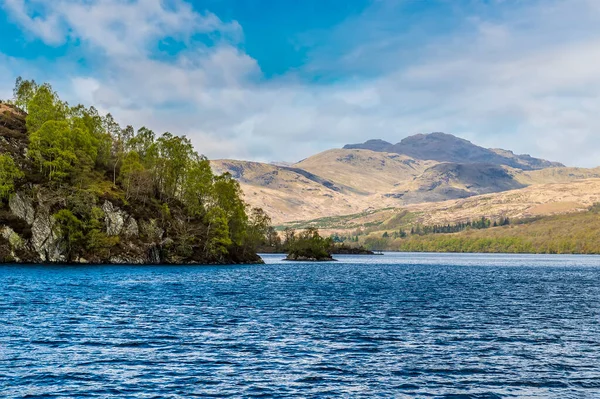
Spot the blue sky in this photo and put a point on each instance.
(284, 79)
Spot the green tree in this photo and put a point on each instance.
(70, 230)
(175, 154)
(259, 224)
(144, 144)
(228, 197)
(117, 153)
(57, 147)
(197, 188)
(132, 175)
(217, 241)
(23, 92)
(9, 173)
(310, 244)
(44, 106)
(51, 148)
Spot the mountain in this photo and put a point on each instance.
(444, 147)
(373, 145)
(430, 169)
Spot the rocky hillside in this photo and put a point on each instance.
(444, 147)
(75, 187)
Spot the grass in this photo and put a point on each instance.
(574, 233)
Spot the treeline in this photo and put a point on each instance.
(75, 147)
(575, 233)
(307, 244)
(482, 223)
(291, 240)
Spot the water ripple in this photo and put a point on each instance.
(403, 326)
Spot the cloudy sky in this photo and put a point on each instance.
(274, 80)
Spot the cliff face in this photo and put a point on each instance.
(93, 221)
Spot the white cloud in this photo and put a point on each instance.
(526, 79)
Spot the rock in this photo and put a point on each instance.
(309, 259)
(15, 242)
(131, 228)
(22, 207)
(154, 255)
(115, 219)
(44, 239)
(124, 260)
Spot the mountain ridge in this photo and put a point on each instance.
(443, 147)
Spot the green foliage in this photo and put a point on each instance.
(163, 180)
(70, 229)
(44, 106)
(218, 238)
(259, 230)
(228, 197)
(9, 173)
(23, 92)
(57, 147)
(174, 156)
(576, 233)
(197, 189)
(134, 178)
(309, 244)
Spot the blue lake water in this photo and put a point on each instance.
(399, 325)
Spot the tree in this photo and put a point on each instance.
(117, 153)
(9, 173)
(258, 228)
(57, 147)
(70, 229)
(310, 244)
(197, 188)
(23, 92)
(133, 176)
(144, 144)
(44, 106)
(217, 241)
(228, 197)
(175, 154)
(51, 148)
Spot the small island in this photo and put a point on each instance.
(309, 246)
(343, 249)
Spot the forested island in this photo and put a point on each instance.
(76, 187)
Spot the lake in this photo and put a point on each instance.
(398, 325)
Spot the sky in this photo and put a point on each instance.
(280, 80)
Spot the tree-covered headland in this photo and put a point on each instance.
(75, 186)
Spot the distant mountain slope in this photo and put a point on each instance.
(367, 171)
(532, 201)
(287, 193)
(415, 172)
(340, 182)
(451, 181)
(444, 147)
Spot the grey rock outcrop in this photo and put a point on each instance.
(114, 217)
(131, 228)
(21, 206)
(44, 239)
(119, 222)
